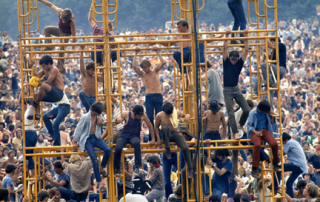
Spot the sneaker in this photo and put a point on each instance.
(276, 167)
(117, 172)
(104, 173)
(136, 170)
(254, 172)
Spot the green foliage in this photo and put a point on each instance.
(147, 14)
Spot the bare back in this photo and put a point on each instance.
(65, 139)
(214, 120)
(165, 121)
(57, 81)
(88, 84)
(151, 81)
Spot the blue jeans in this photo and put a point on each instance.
(73, 195)
(237, 11)
(99, 57)
(205, 183)
(121, 143)
(295, 172)
(31, 141)
(167, 165)
(57, 113)
(154, 102)
(92, 142)
(87, 101)
(187, 56)
(96, 197)
(55, 95)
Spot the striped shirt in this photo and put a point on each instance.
(117, 113)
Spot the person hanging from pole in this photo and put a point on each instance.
(259, 127)
(99, 31)
(232, 66)
(88, 136)
(237, 11)
(282, 63)
(183, 27)
(50, 90)
(88, 94)
(151, 80)
(66, 27)
(131, 134)
(297, 164)
(168, 119)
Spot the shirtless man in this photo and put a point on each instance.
(151, 81)
(65, 138)
(88, 136)
(50, 90)
(168, 119)
(183, 27)
(214, 118)
(88, 93)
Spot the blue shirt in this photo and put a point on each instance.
(221, 183)
(6, 182)
(295, 154)
(282, 55)
(253, 122)
(262, 120)
(66, 177)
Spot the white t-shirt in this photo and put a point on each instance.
(64, 100)
(134, 198)
(27, 122)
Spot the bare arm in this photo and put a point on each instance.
(205, 120)
(91, 21)
(73, 30)
(150, 126)
(10, 190)
(224, 125)
(129, 173)
(51, 5)
(134, 63)
(162, 61)
(225, 45)
(246, 46)
(156, 126)
(82, 68)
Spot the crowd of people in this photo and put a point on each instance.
(145, 113)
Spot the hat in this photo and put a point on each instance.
(185, 130)
(307, 173)
(15, 72)
(298, 93)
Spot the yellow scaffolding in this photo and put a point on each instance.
(185, 86)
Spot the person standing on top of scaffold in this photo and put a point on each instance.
(99, 31)
(67, 27)
(237, 11)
